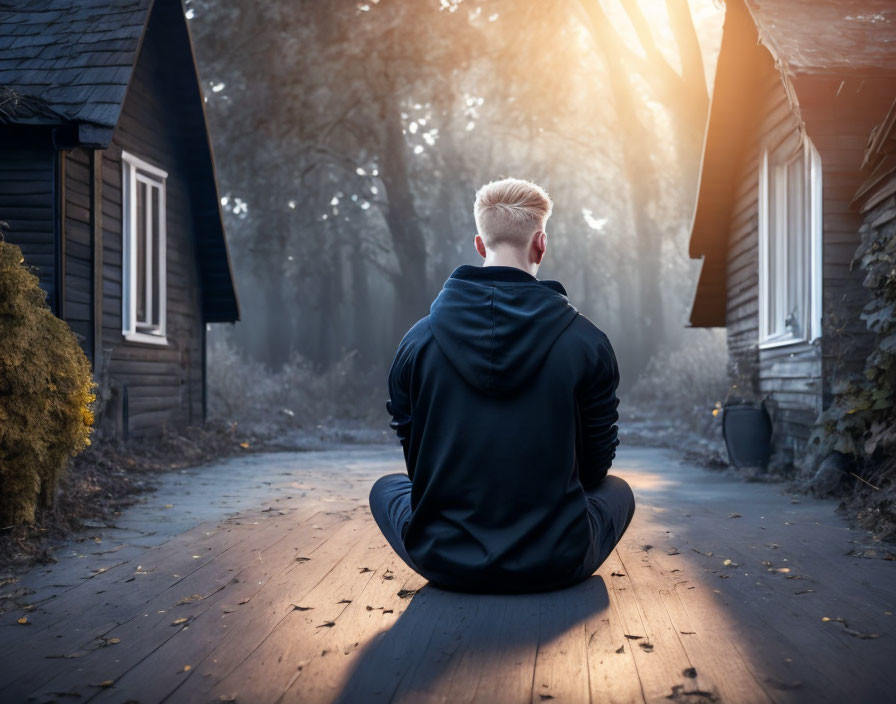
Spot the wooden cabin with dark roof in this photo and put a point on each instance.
(107, 182)
(799, 87)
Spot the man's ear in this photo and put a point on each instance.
(480, 245)
(539, 246)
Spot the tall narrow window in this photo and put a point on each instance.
(790, 238)
(143, 254)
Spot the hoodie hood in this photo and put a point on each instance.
(496, 324)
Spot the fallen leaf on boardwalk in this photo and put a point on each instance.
(190, 599)
(734, 515)
(689, 633)
(244, 444)
(632, 637)
(805, 591)
(187, 668)
(621, 648)
(344, 601)
(302, 559)
(169, 505)
(796, 576)
(678, 690)
(689, 672)
(617, 574)
(728, 562)
(546, 696)
(724, 576)
(365, 569)
(782, 569)
(111, 641)
(228, 697)
(105, 683)
(863, 636)
(773, 546)
(388, 576)
(244, 601)
(406, 593)
(387, 611)
(780, 684)
(296, 607)
(349, 648)
(673, 551)
(24, 621)
(646, 647)
(327, 624)
(178, 621)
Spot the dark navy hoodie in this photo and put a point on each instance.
(504, 401)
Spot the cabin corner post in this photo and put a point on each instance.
(96, 228)
(59, 232)
(204, 336)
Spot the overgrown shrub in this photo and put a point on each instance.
(46, 392)
(860, 423)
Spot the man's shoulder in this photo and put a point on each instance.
(419, 334)
(584, 328)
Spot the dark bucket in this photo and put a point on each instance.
(747, 429)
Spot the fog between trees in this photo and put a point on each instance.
(350, 138)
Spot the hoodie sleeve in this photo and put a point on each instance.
(597, 413)
(399, 403)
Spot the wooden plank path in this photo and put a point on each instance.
(721, 591)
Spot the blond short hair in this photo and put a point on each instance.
(511, 211)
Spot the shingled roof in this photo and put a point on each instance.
(76, 58)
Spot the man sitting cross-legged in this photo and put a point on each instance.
(504, 401)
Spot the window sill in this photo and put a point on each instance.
(782, 342)
(146, 337)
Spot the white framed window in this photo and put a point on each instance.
(143, 252)
(790, 242)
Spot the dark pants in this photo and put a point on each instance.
(611, 506)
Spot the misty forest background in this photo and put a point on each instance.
(350, 138)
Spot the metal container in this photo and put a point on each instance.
(747, 429)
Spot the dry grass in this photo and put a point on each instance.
(672, 402)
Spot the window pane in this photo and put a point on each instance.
(777, 211)
(156, 254)
(140, 241)
(796, 250)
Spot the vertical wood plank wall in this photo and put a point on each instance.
(790, 375)
(78, 248)
(26, 202)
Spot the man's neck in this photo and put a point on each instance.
(493, 258)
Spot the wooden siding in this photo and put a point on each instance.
(26, 199)
(78, 248)
(840, 113)
(164, 383)
(791, 375)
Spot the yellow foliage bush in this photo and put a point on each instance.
(46, 392)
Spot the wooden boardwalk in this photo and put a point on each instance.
(721, 591)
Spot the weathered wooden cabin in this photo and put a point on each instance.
(800, 84)
(107, 182)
